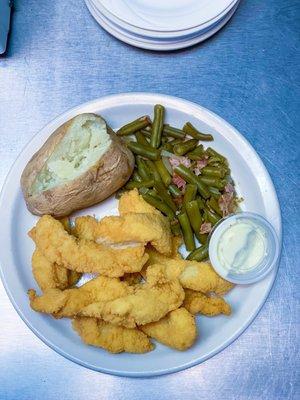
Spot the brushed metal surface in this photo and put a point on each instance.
(248, 73)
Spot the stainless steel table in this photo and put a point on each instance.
(58, 58)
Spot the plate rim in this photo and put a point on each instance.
(143, 98)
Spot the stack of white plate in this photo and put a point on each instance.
(162, 24)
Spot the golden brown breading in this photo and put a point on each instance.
(132, 279)
(69, 302)
(133, 202)
(82, 255)
(149, 302)
(177, 329)
(111, 337)
(177, 241)
(129, 229)
(197, 302)
(199, 276)
(50, 275)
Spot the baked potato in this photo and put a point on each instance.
(82, 163)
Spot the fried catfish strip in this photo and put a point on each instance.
(177, 329)
(133, 202)
(197, 302)
(82, 255)
(129, 229)
(132, 279)
(68, 303)
(149, 302)
(199, 276)
(112, 338)
(50, 275)
(177, 241)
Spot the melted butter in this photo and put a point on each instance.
(242, 246)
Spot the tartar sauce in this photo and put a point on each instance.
(242, 246)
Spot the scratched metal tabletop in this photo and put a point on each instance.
(249, 74)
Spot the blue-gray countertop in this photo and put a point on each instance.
(249, 74)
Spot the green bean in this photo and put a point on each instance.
(190, 177)
(173, 132)
(194, 157)
(154, 194)
(120, 192)
(134, 126)
(162, 192)
(136, 177)
(163, 172)
(135, 184)
(146, 132)
(213, 153)
(199, 254)
(198, 151)
(160, 205)
(143, 190)
(200, 202)
(214, 205)
(214, 192)
(194, 215)
(203, 238)
(213, 171)
(153, 170)
(212, 216)
(189, 194)
(210, 181)
(145, 151)
(190, 130)
(184, 147)
(157, 125)
(175, 192)
(175, 228)
(175, 141)
(140, 138)
(142, 169)
(168, 147)
(187, 232)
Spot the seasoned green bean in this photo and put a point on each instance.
(154, 194)
(184, 147)
(173, 132)
(194, 215)
(134, 126)
(175, 228)
(211, 181)
(200, 202)
(142, 168)
(160, 205)
(213, 153)
(199, 254)
(203, 238)
(144, 151)
(140, 138)
(162, 192)
(212, 216)
(189, 194)
(214, 192)
(146, 132)
(143, 190)
(163, 172)
(190, 177)
(175, 192)
(136, 177)
(157, 125)
(135, 184)
(187, 232)
(152, 168)
(190, 130)
(214, 205)
(213, 171)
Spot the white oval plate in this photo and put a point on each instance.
(253, 183)
(166, 15)
(152, 44)
(159, 34)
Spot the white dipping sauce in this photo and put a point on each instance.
(242, 246)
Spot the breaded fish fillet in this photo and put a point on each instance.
(50, 275)
(133, 202)
(197, 302)
(111, 337)
(149, 302)
(68, 303)
(199, 276)
(82, 255)
(177, 329)
(131, 228)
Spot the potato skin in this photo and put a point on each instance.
(109, 174)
